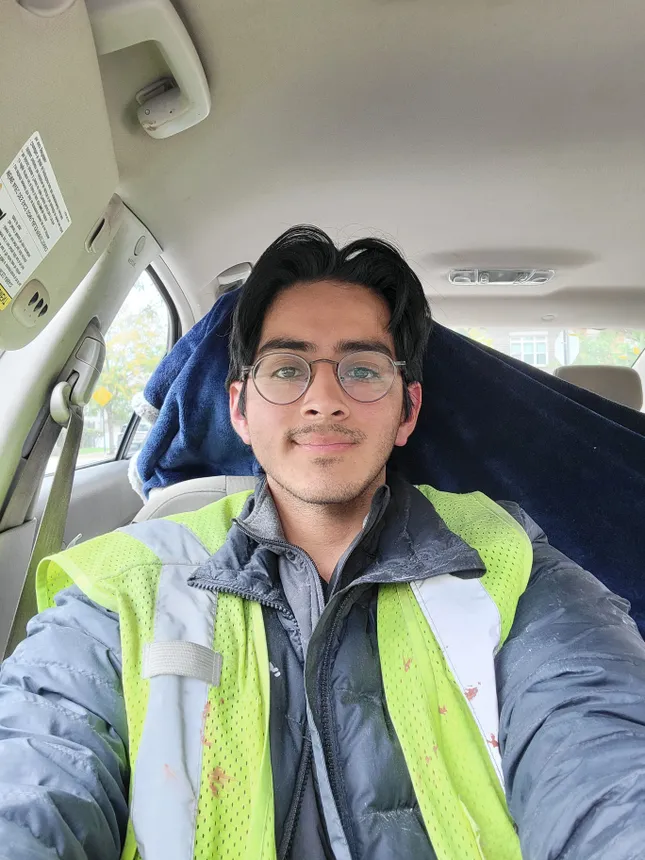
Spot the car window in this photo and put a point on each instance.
(552, 348)
(137, 340)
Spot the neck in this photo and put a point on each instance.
(324, 531)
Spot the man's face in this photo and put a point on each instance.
(325, 448)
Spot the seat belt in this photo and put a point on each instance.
(29, 476)
(51, 530)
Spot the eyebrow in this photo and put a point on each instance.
(343, 346)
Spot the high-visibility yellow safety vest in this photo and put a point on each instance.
(196, 684)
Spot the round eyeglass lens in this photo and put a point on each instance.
(366, 376)
(281, 378)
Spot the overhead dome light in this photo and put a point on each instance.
(499, 277)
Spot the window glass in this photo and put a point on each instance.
(136, 342)
(139, 436)
(552, 348)
(531, 348)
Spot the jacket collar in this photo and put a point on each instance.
(403, 539)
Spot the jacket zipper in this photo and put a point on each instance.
(290, 824)
(283, 544)
(324, 703)
(289, 830)
(246, 595)
(325, 706)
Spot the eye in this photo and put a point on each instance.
(287, 372)
(361, 373)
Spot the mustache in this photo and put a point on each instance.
(329, 430)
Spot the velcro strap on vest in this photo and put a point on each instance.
(182, 658)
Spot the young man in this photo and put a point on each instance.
(339, 665)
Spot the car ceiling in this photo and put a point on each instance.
(470, 132)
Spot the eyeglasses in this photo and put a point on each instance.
(282, 378)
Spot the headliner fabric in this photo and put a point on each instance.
(573, 460)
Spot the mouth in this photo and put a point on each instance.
(320, 445)
(335, 448)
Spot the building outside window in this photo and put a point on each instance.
(547, 349)
(531, 347)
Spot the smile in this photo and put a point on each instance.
(326, 447)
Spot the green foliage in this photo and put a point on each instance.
(608, 346)
(136, 342)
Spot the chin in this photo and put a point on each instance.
(326, 490)
(325, 495)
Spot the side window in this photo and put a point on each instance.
(137, 340)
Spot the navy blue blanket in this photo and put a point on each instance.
(573, 460)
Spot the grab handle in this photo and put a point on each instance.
(166, 107)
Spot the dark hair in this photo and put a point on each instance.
(307, 254)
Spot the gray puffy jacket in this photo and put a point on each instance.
(571, 689)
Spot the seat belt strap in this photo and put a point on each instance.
(51, 531)
(19, 506)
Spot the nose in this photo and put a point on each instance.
(324, 398)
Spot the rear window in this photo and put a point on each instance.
(551, 348)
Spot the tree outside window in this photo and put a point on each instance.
(136, 342)
(609, 346)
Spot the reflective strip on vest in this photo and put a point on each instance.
(168, 769)
(467, 625)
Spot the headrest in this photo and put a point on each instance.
(191, 495)
(620, 384)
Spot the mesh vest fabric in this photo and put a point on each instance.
(465, 816)
(461, 799)
(122, 573)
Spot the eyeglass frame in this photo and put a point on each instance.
(251, 369)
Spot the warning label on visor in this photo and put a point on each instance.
(33, 216)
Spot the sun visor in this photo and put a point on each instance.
(57, 166)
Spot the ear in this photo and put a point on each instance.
(408, 424)
(238, 420)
